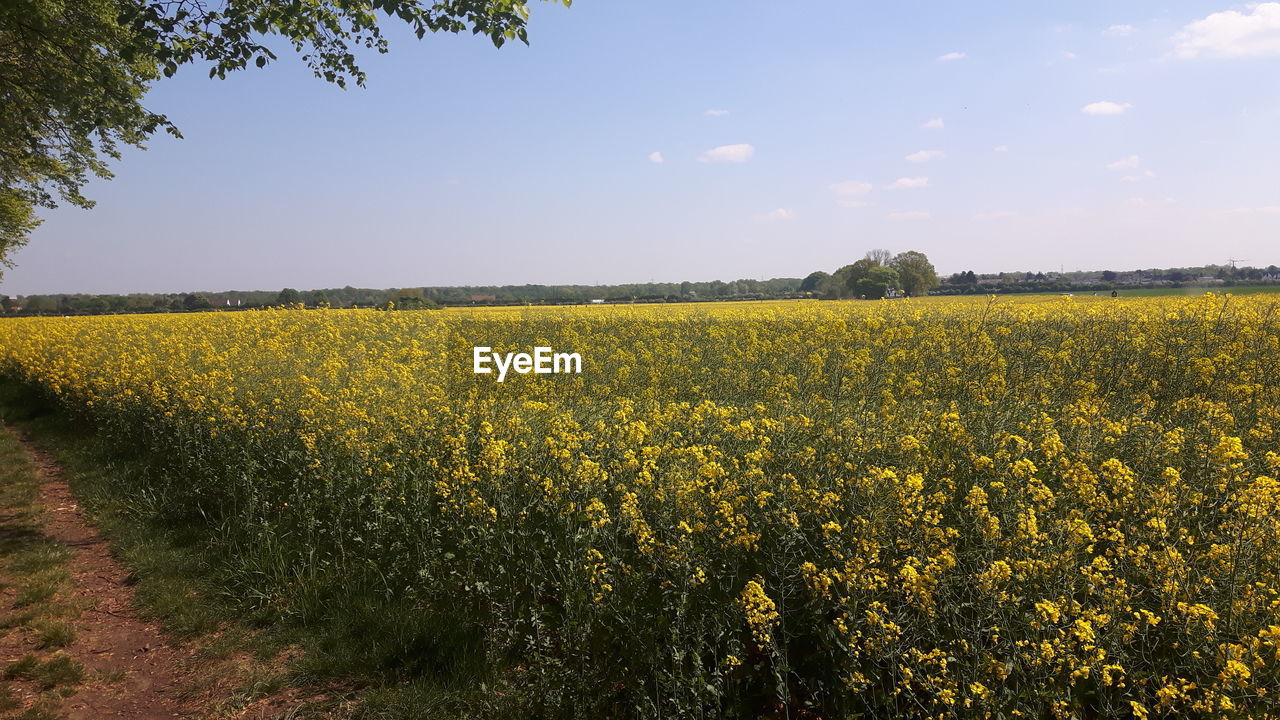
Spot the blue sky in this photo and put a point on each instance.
(792, 137)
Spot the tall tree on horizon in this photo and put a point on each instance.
(916, 274)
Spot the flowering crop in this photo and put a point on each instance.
(1039, 507)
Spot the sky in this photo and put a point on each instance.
(671, 140)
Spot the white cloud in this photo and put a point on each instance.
(728, 153)
(953, 56)
(715, 112)
(997, 215)
(1233, 34)
(909, 183)
(909, 215)
(934, 124)
(850, 192)
(1002, 148)
(924, 156)
(1128, 163)
(1068, 55)
(1119, 31)
(1105, 107)
(1264, 210)
(778, 214)
(656, 157)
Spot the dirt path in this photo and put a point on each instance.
(132, 669)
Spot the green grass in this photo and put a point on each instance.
(48, 674)
(40, 587)
(53, 633)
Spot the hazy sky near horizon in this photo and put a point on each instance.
(705, 140)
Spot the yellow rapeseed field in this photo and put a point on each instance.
(1031, 507)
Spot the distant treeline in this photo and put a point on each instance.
(969, 283)
(961, 283)
(402, 298)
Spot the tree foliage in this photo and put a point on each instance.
(323, 32)
(916, 273)
(69, 99)
(73, 72)
(815, 282)
(878, 272)
(876, 283)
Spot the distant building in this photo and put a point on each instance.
(483, 298)
(597, 301)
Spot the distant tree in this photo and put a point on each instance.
(1108, 276)
(876, 283)
(288, 296)
(838, 285)
(916, 273)
(412, 299)
(879, 256)
(196, 302)
(844, 280)
(35, 304)
(861, 269)
(815, 283)
(407, 299)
